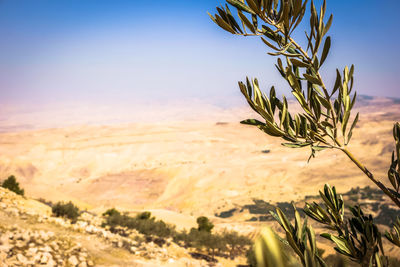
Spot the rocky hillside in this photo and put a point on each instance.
(30, 236)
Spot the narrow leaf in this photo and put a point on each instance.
(326, 49)
(312, 79)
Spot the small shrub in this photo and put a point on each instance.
(204, 224)
(111, 212)
(66, 210)
(11, 184)
(144, 215)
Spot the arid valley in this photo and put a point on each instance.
(182, 169)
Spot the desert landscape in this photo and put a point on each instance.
(124, 143)
(180, 169)
(187, 168)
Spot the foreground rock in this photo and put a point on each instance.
(30, 236)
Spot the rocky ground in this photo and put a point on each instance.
(30, 236)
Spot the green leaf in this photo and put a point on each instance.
(341, 243)
(324, 102)
(283, 220)
(293, 244)
(312, 79)
(328, 25)
(246, 22)
(253, 6)
(232, 19)
(212, 18)
(352, 127)
(295, 145)
(224, 25)
(299, 63)
(300, 98)
(320, 148)
(346, 116)
(326, 49)
(252, 122)
(269, 44)
(311, 238)
(240, 6)
(271, 129)
(337, 82)
(268, 250)
(284, 111)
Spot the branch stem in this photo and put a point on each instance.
(371, 176)
(327, 96)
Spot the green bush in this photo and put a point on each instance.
(204, 224)
(11, 184)
(144, 215)
(200, 238)
(66, 210)
(143, 223)
(111, 212)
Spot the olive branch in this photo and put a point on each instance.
(325, 122)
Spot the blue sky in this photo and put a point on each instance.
(121, 51)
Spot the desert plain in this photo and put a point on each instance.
(180, 167)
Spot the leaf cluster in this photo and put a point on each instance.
(326, 114)
(301, 238)
(357, 238)
(394, 178)
(324, 123)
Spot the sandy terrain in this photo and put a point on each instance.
(193, 167)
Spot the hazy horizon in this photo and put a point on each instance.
(124, 53)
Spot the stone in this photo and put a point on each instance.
(26, 236)
(51, 263)
(43, 235)
(37, 257)
(32, 251)
(45, 258)
(21, 258)
(20, 244)
(4, 239)
(73, 260)
(83, 254)
(5, 248)
(54, 246)
(46, 249)
(82, 264)
(3, 256)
